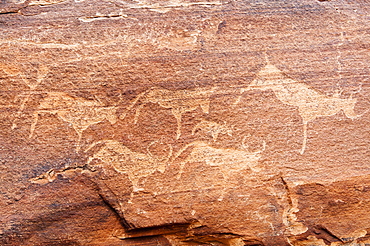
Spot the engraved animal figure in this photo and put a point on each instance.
(180, 102)
(52, 174)
(311, 104)
(213, 128)
(228, 160)
(135, 164)
(14, 71)
(79, 112)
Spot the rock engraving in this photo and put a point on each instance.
(180, 102)
(212, 128)
(135, 164)
(228, 160)
(310, 103)
(79, 112)
(14, 71)
(52, 174)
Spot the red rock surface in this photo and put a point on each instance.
(184, 122)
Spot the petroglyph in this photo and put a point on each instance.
(79, 112)
(14, 71)
(228, 160)
(310, 103)
(52, 174)
(9, 69)
(180, 102)
(212, 128)
(135, 164)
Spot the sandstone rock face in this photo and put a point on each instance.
(184, 122)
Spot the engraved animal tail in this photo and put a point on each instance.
(239, 98)
(94, 144)
(195, 143)
(133, 103)
(164, 160)
(251, 86)
(178, 117)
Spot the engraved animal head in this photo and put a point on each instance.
(229, 160)
(79, 112)
(109, 113)
(136, 165)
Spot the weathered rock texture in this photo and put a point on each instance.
(184, 122)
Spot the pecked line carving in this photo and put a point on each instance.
(229, 161)
(139, 165)
(310, 103)
(179, 101)
(135, 164)
(12, 70)
(212, 128)
(79, 112)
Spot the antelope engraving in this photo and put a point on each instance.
(136, 165)
(310, 103)
(79, 112)
(14, 71)
(180, 102)
(228, 160)
(212, 128)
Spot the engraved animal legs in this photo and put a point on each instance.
(304, 137)
(239, 98)
(135, 188)
(78, 147)
(19, 113)
(132, 105)
(177, 115)
(137, 113)
(34, 123)
(181, 171)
